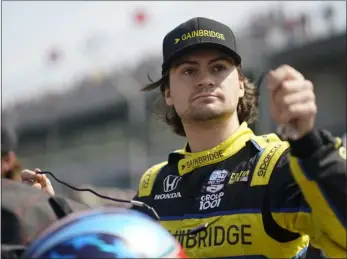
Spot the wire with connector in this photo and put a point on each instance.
(133, 202)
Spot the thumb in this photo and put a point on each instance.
(38, 176)
(46, 184)
(272, 80)
(45, 181)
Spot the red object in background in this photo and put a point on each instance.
(182, 254)
(141, 17)
(291, 24)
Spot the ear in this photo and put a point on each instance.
(242, 88)
(167, 95)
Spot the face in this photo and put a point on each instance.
(9, 166)
(204, 85)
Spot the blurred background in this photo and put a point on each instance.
(72, 71)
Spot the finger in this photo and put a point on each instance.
(40, 176)
(297, 111)
(284, 72)
(28, 182)
(30, 175)
(45, 182)
(37, 170)
(37, 186)
(285, 101)
(47, 185)
(292, 86)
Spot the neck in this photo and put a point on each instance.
(208, 134)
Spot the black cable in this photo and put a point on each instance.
(261, 79)
(202, 227)
(136, 203)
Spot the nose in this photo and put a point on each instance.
(205, 80)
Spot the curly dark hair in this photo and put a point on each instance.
(247, 108)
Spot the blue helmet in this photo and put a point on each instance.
(105, 233)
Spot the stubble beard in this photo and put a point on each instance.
(195, 115)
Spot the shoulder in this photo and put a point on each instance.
(148, 178)
(263, 142)
(272, 151)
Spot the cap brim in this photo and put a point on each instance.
(201, 45)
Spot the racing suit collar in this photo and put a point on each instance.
(230, 146)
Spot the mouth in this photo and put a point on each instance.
(207, 95)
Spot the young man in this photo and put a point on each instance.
(230, 193)
(249, 195)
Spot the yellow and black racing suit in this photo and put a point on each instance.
(253, 196)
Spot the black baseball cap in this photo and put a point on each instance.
(198, 32)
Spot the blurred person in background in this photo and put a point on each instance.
(305, 26)
(25, 212)
(329, 17)
(10, 166)
(229, 192)
(344, 139)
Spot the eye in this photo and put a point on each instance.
(219, 68)
(189, 71)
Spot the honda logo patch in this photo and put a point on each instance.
(170, 183)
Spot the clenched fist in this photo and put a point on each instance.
(39, 181)
(292, 100)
